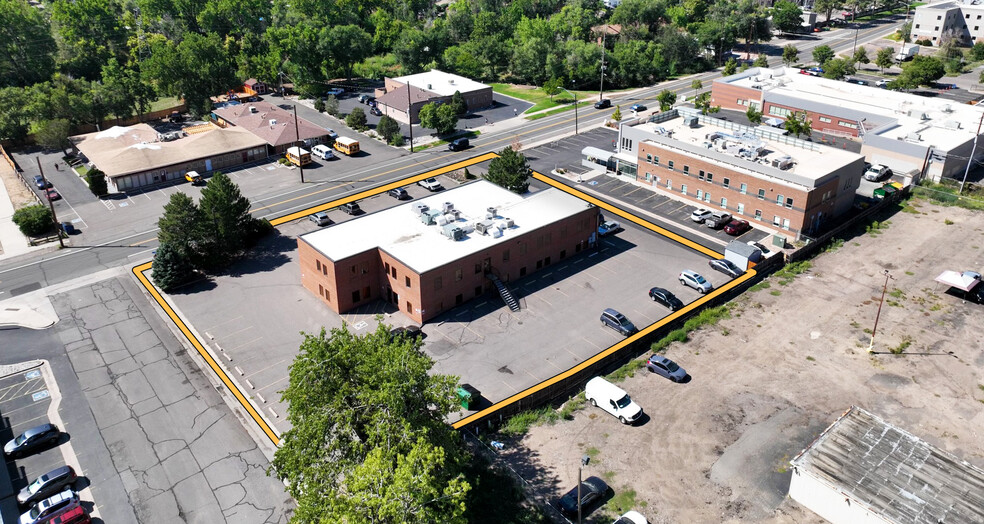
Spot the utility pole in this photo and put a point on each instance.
(878, 315)
(575, 111)
(584, 462)
(857, 29)
(409, 117)
(54, 217)
(297, 133)
(601, 90)
(972, 151)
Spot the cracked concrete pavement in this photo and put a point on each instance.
(181, 453)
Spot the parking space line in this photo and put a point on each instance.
(275, 382)
(15, 389)
(227, 335)
(29, 422)
(213, 326)
(275, 364)
(227, 349)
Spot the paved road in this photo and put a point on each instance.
(153, 436)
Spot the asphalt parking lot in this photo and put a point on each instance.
(482, 341)
(24, 401)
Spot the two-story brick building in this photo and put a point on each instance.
(412, 257)
(753, 174)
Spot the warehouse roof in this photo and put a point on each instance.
(444, 84)
(893, 473)
(119, 151)
(401, 233)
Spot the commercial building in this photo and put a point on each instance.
(864, 470)
(273, 124)
(754, 174)
(430, 255)
(927, 137)
(416, 91)
(963, 21)
(138, 156)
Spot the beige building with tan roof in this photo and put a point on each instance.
(272, 123)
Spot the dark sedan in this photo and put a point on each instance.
(593, 489)
(603, 104)
(32, 439)
(46, 485)
(726, 266)
(666, 298)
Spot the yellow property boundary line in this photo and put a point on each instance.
(141, 270)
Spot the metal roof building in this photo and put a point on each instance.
(862, 469)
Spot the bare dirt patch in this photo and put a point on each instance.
(791, 359)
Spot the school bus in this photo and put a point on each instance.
(298, 156)
(349, 146)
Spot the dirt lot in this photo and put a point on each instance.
(790, 360)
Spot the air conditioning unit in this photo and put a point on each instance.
(691, 121)
(913, 137)
(491, 211)
(429, 217)
(447, 207)
(947, 108)
(453, 232)
(484, 226)
(252, 109)
(418, 208)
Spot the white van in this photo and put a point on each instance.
(612, 399)
(323, 152)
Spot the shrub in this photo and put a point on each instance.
(97, 182)
(521, 423)
(357, 120)
(34, 220)
(319, 105)
(331, 105)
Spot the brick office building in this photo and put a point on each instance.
(408, 258)
(790, 184)
(430, 87)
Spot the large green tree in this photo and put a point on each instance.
(368, 439)
(921, 71)
(180, 228)
(790, 54)
(666, 99)
(510, 170)
(90, 33)
(33, 220)
(225, 221)
(885, 58)
(786, 16)
(822, 54)
(27, 49)
(439, 117)
(170, 268)
(799, 124)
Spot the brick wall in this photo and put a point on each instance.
(727, 96)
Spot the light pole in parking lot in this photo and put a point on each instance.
(575, 107)
(877, 315)
(51, 204)
(584, 462)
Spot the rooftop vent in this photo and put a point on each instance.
(453, 232)
(913, 137)
(418, 208)
(491, 211)
(447, 207)
(947, 108)
(451, 81)
(951, 124)
(273, 122)
(252, 109)
(690, 121)
(484, 227)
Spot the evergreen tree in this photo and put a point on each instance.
(357, 120)
(510, 170)
(730, 67)
(97, 182)
(666, 99)
(226, 222)
(170, 268)
(180, 227)
(387, 127)
(790, 54)
(458, 103)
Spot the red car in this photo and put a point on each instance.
(52, 194)
(737, 227)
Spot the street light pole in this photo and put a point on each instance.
(297, 133)
(584, 462)
(857, 29)
(575, 111)
(878, 315)
(409, 116)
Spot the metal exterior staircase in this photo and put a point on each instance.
(504, 292)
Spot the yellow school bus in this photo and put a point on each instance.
(349, 146)
(298, 156)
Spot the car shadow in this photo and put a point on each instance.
(81, 483)
(685, 380)
(643, 420)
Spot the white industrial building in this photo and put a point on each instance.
(863, 470)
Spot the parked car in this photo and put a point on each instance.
(609, 227)
(335, 91)
(603, 104)
(695, 280)
(350, 208)
(194, 178)
(431, 184)
(374, 111)
(666, 368)
(717, 220)
(881, 83)
(858, 81)
(68, 228)
(323, 152)
(632, 517)
(666, 298)
(320, 218)
(458, 144)
(331, 133)
(365, 99)
(638, 107)
(52, 194)
(46, 509)
(398, 193)
(46, 485)
(32, 439)
(592, 490)
(700, 214)
(737, 227)
(41, 182)
(617, 321)
(758, 246)
(611, 398)
(725, 266)
(76, 515)
(876, 172)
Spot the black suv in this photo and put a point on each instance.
(593, 489)
(602, 104)
(458, 144)
(398, 193)
(352, 208)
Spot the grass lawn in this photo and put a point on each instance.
(536, 95)
(558, 110)
(164, 103)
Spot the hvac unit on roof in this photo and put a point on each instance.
(418, 208)
(273, 122)
(952, 125)
(947, 108)
(917, 114)
(451, 81)
(447, 207)
(913, 137)
(252, 109)
(484, 226)
(453, 232)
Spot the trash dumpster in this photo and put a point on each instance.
(468, 396)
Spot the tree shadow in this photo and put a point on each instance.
(269, 254)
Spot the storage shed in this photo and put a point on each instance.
(862, 469)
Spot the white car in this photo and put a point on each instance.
(632, 517)
(695, 280)
(431, 184)
(700, 215)
(49, 507)
(323, 152)
(882, 83)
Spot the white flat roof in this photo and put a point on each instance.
(934, 120)
(444, 84)
(400, 232)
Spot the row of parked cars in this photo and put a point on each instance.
(720, 220)
(49, 499)
(321, 218)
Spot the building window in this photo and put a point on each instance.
(669, 184)
(655, 160)
(779, 111)
(825, 120)
(700, 194)
(700, 175)
(758, 214)
(407, 280)
(457, 275)
(761, 194)
(707, 197)
(742, 102)
(365, 268)
(409, 307)
(353, 270)
(355, 296)
(917, 26)
(386, 267)
(779, 200)
(505, 256)
(785, 224)
(789, 203)
(649, 158)
(478, 268)
(522, 248)
(324, 269)
(744, 188)
(686, 170)
(726, 183)
(710, 177)
(741, 209)
(776, 221)
(438, 283)
(321, 290)
(939, 17)
(851, 125)
(670, 165)
(317, 264)
(683, 188)
(724, 203)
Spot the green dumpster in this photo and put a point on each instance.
(468, 396)
(885, 190)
